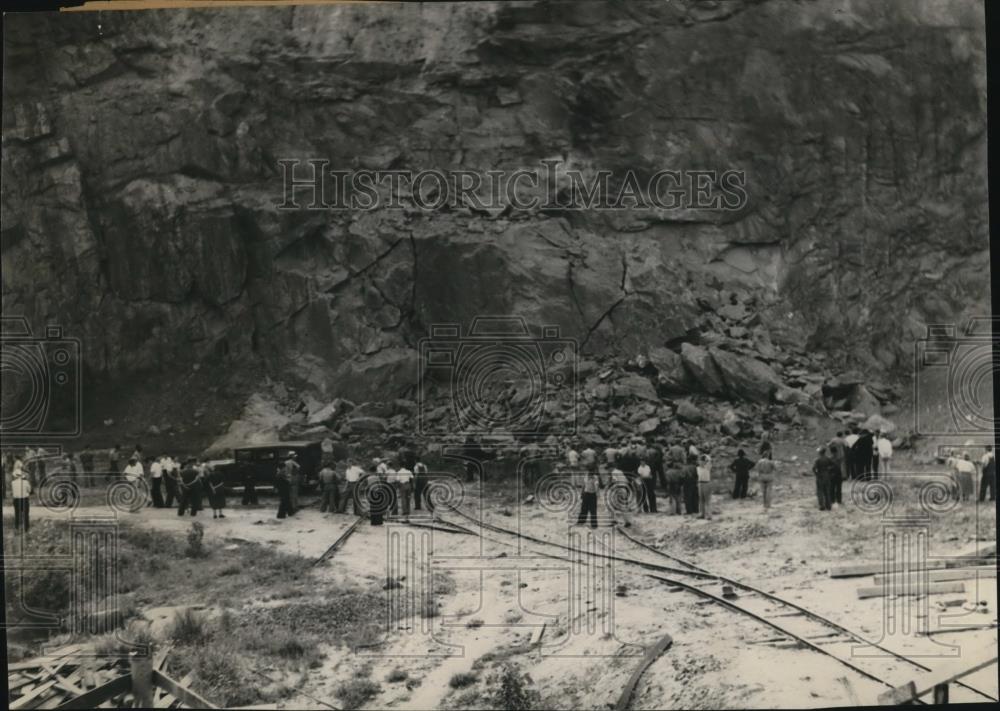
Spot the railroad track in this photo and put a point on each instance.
(809, 629)
(337, 544)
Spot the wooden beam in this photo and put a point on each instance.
(854, 570)
(930, 589)
(97, 696)
(914, 689)
(21, 701)
(937, 576)
(184, 695)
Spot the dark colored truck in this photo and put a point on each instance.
(261, 462)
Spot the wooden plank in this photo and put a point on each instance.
(855, 570)
(931, 589)
(948, 630)
(34, 693)
(183, 694)
(97, 696)
(936, 576)
(925, 684)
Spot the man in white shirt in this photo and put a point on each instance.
(20, 489)
(352, 476)
(648, 490)
(156, 479)
(419, 482)
(884, 450)
(404, 480)
(572, 459)
(988, 468)
(133, 472)
(965, 472)
(705, 487)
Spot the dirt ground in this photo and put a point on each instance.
(458, 608)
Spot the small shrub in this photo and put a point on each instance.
(512, 690)
(474, 623)
(195, 547)
(356, 693)
(188, 627)
(397, 675)
(462, 680)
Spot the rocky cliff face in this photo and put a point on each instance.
(140, 172)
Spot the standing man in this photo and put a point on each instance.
(654, 455)
(353, 477)
(852, 462)
(883, 447)
(988, 467)
(21, 491)
(863, 452)
(588, 459)
(419, 482)
(705, 487)
(294, 480)
(572, 459)
(764, 469)
(284, 487)
(741, 467)
(838, 452)
(965, 472)
(591, 481)
(689, 484)
(156, 477)
(329, 494)
(114, 462)
(824, 469)
(249, 487)
(185, 489)
(648, 489)
(171, 481)
(404, 482)
(87, 462)
(134, 473)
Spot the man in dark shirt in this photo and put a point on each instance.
(690, 484)
(741, 467)
(863, 452)
(189, 488)
(825, 469)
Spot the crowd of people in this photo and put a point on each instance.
(160, 482)
(643, 469)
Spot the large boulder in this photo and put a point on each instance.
(701, 366)
(746, 378)
(633, 387)
(671, 375)
(689, 412)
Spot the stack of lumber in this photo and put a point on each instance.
(74, 677)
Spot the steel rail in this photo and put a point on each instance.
(697, 572)
(812, 615)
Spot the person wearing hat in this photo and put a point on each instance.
(283, 486)
(352, 478)
(740, 467)
(294, 472)
(704, 469)
(20, 490)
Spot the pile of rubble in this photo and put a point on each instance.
(724, 382)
